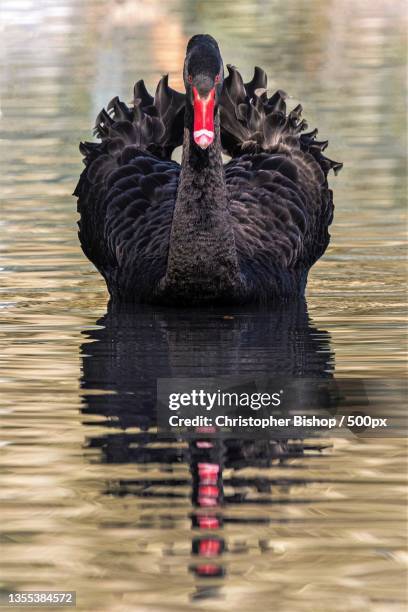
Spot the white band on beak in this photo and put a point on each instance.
(203, 132)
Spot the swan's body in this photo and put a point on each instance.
(203, 231)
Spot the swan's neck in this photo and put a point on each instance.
(202, 259)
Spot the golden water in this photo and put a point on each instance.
(90, 502)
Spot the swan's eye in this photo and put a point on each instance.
(190, 78)
(217, 78)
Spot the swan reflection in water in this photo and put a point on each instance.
(132, 348)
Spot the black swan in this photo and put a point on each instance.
(245, 231)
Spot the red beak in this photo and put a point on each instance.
(204, 118)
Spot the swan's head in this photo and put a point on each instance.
(203, 78)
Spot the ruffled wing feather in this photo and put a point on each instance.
(252, 122)
(128, 186)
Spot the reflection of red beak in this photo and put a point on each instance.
(204, 118)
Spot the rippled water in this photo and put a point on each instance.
(92, 501)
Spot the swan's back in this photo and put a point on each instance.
(126, 193)
(277, 181)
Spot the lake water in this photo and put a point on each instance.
(92, 501)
